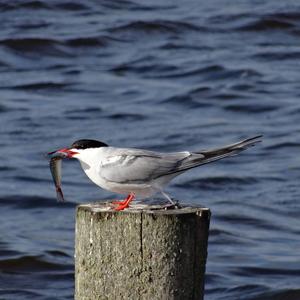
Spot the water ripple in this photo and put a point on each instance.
(156, 26)
(268, 23)
(218, 182)
(127, 117)
(35, 45)
(28, 264)
(32, 202)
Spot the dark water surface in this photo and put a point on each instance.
(163, 75)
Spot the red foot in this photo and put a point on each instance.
(124, 204)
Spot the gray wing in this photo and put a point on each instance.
(139, 166)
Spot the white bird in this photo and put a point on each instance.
(138, 172)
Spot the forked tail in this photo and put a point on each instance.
(230, 150)
(207, 156)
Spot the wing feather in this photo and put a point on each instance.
(138, 166)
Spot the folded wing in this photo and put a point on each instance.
(133, 166)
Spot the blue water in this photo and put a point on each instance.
(161, 75)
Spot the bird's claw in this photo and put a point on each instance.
(174, 205)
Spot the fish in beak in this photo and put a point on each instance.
(55, 168)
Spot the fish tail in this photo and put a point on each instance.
(59, 194)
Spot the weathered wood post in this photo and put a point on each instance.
(140, 254)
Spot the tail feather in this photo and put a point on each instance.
(230, 150)
(208, 156)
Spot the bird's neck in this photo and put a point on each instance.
(89, 158)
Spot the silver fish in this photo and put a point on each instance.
(55, 167)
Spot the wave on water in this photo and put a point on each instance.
(159, 26)
(268, 23)
(127, 116)
(284, 294)
(42, 5)
(42, 86)
(32, 202)
(31, 264)
(219, 182)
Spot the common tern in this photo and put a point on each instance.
(137, 172)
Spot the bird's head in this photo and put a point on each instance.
(77, 148)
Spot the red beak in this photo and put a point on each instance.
(63, 153)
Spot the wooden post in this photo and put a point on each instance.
(140, 254)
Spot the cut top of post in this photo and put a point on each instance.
(154, 209)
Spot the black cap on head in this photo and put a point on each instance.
(85, 144)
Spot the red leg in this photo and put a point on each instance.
(126, 202)
(121, 202)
